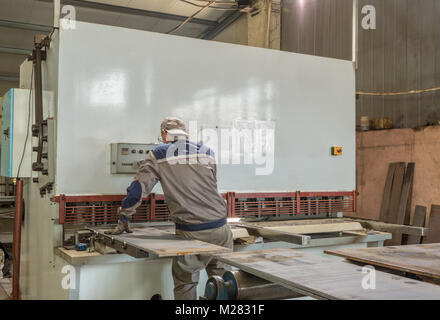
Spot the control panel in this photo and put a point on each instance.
(126, 157)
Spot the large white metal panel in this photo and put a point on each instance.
(116, 85)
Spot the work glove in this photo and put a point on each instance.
(123, 225)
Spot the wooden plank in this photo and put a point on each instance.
(421, 259)
(294, 231)
(319, 228)
(433, 225)
(277, 235)
(239, 233)
(403, 214)
(164, 243)
(299, 222)
(418, 221)
(390, 227)
(406, 194)
(74, 257)
(387, 192)
(326, 278)
(396, 192)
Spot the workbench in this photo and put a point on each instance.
(97, 274)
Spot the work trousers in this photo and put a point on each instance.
(186, 269)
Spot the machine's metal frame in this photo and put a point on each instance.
(86, 192)
(92, 209)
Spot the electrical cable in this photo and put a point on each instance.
(220, 2)
(52, 32)
(192, 16)
(397, 93)
(234, 4)
(28, 122)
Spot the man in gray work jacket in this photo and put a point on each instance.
(187, 174)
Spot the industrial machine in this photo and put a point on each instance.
(98, 94)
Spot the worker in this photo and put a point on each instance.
(187, 174)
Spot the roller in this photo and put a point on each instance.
(240, 285)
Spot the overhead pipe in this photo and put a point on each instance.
(56, 13)
(355, 34)
(18, 218)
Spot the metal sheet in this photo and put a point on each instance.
(423, 259)
(326, 278)
(116, 85)
(162, 243)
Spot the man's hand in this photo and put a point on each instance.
(123, 225)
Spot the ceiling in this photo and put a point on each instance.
(20, 20)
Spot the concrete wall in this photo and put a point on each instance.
(402, 54)
(376, 149)
(5, 86)
(13, 38)
(236, 33)
(251, 29)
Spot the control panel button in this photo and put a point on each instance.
(127, 157)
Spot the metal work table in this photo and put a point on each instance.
(97, 274)
(323, 278)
